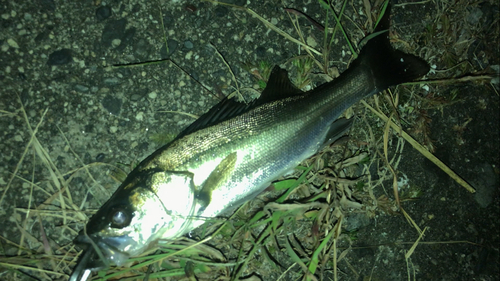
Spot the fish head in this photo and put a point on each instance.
(154, 205)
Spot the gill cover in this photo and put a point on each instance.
(149, 205)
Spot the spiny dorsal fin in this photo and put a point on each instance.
(278, 87)
(224, 110)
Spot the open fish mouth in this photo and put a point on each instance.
(88, 262)
(98, 253)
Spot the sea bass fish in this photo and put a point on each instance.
(232, 153)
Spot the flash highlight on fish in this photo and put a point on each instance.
(232, 153)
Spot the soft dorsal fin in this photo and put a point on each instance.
(278, 87)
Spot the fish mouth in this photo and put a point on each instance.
(87, 262)
(97, 255)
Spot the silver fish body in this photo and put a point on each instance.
(233, 152)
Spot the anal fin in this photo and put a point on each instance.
(338, 128)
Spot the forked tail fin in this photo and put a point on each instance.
(389, 66)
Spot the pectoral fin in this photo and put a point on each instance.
(217, 178)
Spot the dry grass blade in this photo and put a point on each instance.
(55, 189)
(85, 167)
(25, 223)
(281, 32)
(269, 25)
(180, 112)
(336, 231)
(414, 246)
(230, 71)
(299, 32)
(388, 164)
(410, 220)
(18, 266)
(7, 113)
(33, 133)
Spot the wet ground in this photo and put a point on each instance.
(107, 85)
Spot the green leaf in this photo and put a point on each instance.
(291, 252)
(313, 265)
(285, 184)
(324, 4)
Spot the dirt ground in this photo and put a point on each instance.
(103, 85)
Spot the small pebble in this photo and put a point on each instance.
(112, 81)
(100, 157)
(139, 116)
(221, 11)
(112, 104)
(114, 29)
(47, 5)
(116, 42)
(60, 57)
(260, 51)
(81, 88)
(103, 13)
(12, 43)
(188, 44)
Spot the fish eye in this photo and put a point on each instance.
(120, 218)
